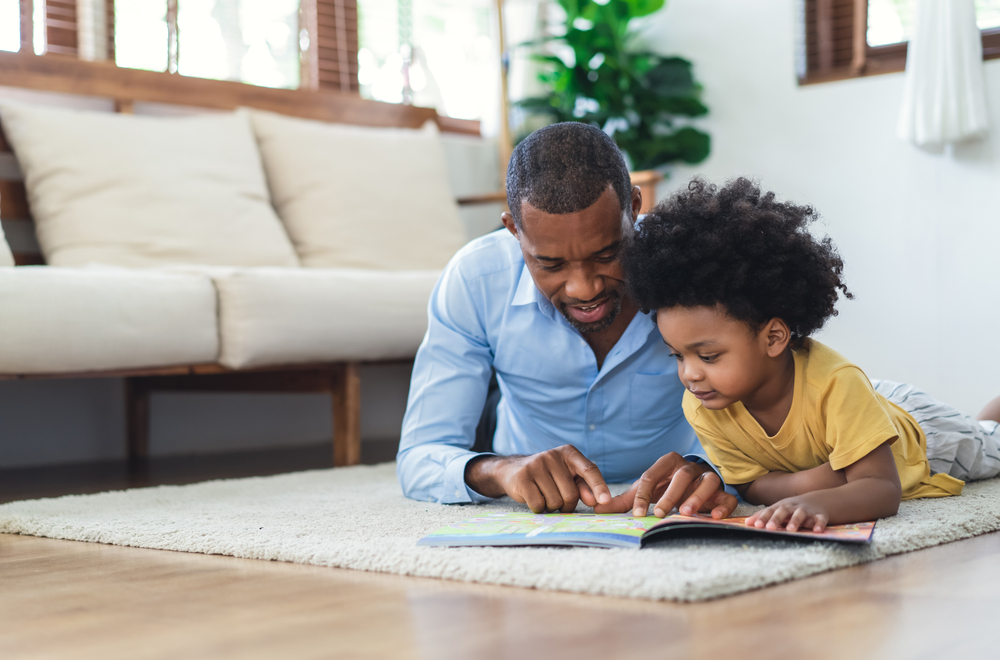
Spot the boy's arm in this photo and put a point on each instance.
(872, 491)
(775, 486)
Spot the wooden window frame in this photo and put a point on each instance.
(330, 62)
(819, 22)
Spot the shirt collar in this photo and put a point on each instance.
(527, 293)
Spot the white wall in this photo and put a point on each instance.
(919, 232)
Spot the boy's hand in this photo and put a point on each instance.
(791, 514)
(674, 482)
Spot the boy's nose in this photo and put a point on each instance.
(692, 374)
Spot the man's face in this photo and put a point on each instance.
(573, 258)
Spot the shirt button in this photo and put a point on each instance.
(593, 426)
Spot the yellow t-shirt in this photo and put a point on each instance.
(836, 417)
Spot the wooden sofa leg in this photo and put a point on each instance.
(136, 420)
(346, 391)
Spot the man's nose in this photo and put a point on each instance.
(584, 284)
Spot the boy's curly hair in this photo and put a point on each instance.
(739, 248)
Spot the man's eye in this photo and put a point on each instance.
(555, 267)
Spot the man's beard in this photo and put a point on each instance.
(596, 326)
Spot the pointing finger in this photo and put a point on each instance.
(579, 465)
(618, 504)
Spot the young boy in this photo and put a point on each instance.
(738, 284)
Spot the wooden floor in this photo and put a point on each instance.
(62, 599)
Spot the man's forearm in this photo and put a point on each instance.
(775, 486)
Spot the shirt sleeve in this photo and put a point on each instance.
(733, 465)
(448, 390)
(856, 421)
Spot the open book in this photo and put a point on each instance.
(619, 530)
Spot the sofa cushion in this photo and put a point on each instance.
(64, 320)
(359, 197)
(270, 316)
(6, 258)
(146, 191)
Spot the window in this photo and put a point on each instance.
(272, 43)
(433, 53)
(252, 41)
(848, 38)
(10, 25)
(891, 21)
(141, 35)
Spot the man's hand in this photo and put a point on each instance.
(673, 481)
(791, 514)
(553, 480)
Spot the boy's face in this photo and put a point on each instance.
(719, 360)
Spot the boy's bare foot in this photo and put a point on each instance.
(991, 411)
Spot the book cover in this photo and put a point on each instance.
(619, 530)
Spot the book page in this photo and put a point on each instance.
(619, 529)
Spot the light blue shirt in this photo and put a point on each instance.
(487, 312)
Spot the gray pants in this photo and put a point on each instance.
(957, 444)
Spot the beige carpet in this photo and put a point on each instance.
(357, 518)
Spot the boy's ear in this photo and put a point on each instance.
(778, 336)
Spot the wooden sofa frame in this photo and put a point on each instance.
(127, 87)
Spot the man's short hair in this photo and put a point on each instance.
(564, 168)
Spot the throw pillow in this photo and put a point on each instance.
(360, 197)
(143, 191)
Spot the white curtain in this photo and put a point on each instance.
(944, 97)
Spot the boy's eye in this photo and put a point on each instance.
(677, 355)
(708, 358)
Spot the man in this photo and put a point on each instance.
(589, 392)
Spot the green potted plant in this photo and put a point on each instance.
(600, 76)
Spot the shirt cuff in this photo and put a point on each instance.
(458, 491)
(695, 458)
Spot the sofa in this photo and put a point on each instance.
(239, 249)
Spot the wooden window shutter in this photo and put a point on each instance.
(109, 22)
(334, 51)
(60, 27)
(836, 38)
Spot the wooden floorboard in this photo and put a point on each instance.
(61, 599)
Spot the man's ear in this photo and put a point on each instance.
(636, 202)
(508, 222)
(778, 335)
